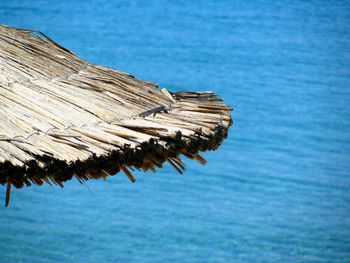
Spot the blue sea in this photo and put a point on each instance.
(278, 189)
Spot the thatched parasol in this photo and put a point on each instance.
(62, 117)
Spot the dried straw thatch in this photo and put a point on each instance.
(62, 117)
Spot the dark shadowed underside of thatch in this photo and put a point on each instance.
(62, 117)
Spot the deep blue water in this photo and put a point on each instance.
(278, 190)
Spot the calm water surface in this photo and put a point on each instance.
(278, 190)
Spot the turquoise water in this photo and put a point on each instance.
(278, 190)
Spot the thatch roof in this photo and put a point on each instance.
(61, 117)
